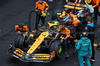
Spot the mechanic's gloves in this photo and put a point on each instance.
(61, 40)
(54, 38)
(45, 11)
(39, 12)
(68, 23)
(75, 2)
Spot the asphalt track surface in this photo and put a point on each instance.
(16, 12)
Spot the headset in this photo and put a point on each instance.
(84, 34)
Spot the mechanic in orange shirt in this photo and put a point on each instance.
(76, 26)
(74, 22)
(21, 28)
(65, 31)
(66, 14)
(96, 7)
(41, 6)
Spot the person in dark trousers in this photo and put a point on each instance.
(96, 7)
(89, 28)
(65, 31)
(41, 6)
(84, 49)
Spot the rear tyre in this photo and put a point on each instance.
(57, 47)
(54, 14)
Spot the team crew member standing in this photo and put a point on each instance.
(41, 6)
(90, 30)
(84, 49)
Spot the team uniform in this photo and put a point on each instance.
(66, 32)
(40, 7)
(90, 30)
(75, 25)
(84, 49)
(23, 28)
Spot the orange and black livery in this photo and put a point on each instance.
(41, 6)
(26, 46)
(21, 28)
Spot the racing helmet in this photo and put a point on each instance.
(56, 26)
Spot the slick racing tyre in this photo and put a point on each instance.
(57, 47)
(54, 14)
(20, 42)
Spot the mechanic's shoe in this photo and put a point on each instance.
(84, 62)
(74, 51)
(10, 47)
(67, 56)
(92, 59)
(50, 0)
(95, 23)
(34, 31)
(39, 25)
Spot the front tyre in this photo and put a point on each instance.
(57, 47)
(20, 42)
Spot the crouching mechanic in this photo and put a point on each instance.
(76, 26)
(41, 6)
(66, 32)
(84, 50)
(21, 28)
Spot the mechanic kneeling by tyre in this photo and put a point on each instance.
(21, 28)
(62, 29)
